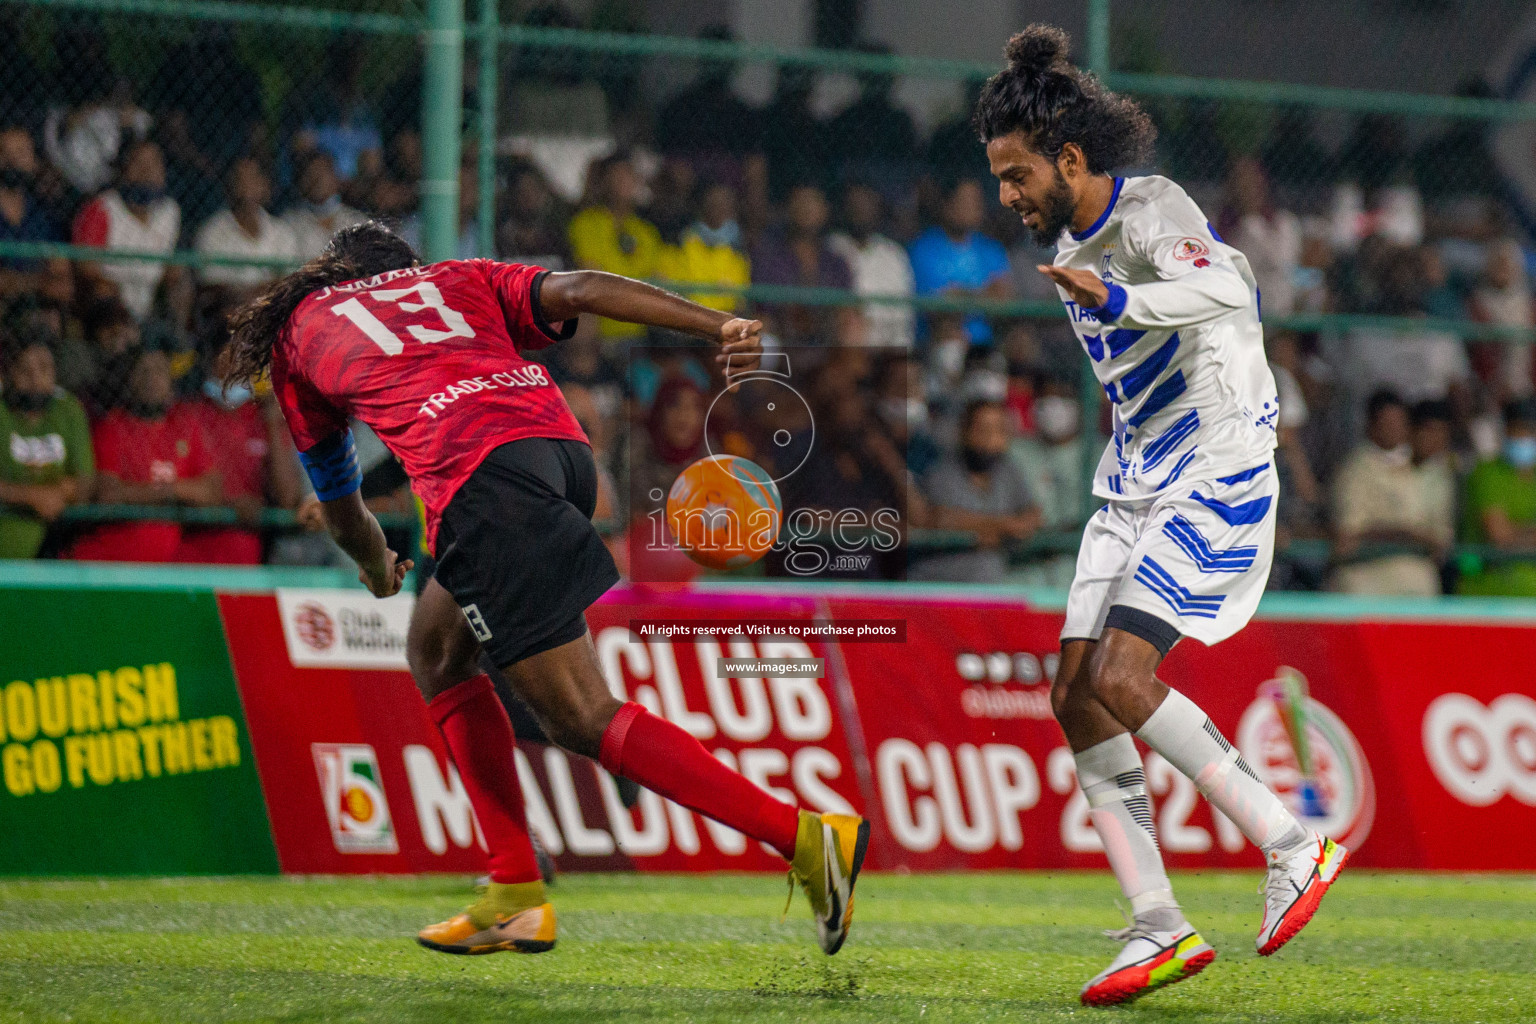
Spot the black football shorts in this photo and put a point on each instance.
(518, 551)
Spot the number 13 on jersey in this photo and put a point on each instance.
(431, 299)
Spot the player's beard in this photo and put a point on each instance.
(1055, 212)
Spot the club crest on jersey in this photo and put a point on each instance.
(1189, 249)
(1107, 253)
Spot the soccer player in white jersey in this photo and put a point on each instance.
(1169, 316)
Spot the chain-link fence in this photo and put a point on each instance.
(839, 194)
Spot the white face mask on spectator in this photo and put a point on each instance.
(1056, 417)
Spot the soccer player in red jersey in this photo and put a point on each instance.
(432, 358)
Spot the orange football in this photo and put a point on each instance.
(724, 511)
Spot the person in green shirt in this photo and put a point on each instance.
(46, 463)
(1500, 509)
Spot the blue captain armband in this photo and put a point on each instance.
(332, 466)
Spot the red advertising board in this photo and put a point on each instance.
(1419, 738)
(353, 770)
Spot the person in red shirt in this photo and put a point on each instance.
(432, 359)
(151, 451)
(254, 457)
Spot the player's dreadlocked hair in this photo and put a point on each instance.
(1052, 102)
(360, 251)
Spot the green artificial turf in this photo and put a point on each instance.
(637, 948)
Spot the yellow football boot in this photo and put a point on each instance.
(505, 917)
(829, 853)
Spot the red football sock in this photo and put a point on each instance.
(668, 761)
(480, 741)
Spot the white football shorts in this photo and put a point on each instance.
(1190, 562)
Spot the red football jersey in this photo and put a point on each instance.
(162, 451)
(431, 359)
(239, 447)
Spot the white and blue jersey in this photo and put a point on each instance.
(1185, 544)
(1177, 347)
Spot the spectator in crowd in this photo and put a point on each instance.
(1051, 465)
(1503, 297)
(46, 463)
(952, 150)
(207, 103)
(138, 216)
(1269, 237)
(674, 189)
(798, 253)
(1301, 498)
(96, 368)
(709, 251)
(551, 91)
(25, 84)
(1382, 498)
(468, 245)
(151, 451)
(533, 228)
(319, 212)
(793, 138)
(611, 235)
(673, 439)
(335, 115)
(580, 361)
(708, 116)
(904, 413)
(872, 129)
(1433, 456)
(1500, 508)
(1416, 364)
(255, 461)
(245, 229)
(956, 259)
(854, 465)
(879, 266)
(981, 491)
(395, 189)
(84, 140)
(22, 217)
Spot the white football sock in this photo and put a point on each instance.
(1190, 741)
(1112, 779)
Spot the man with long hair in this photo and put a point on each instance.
(1169, 316)
(432, 358)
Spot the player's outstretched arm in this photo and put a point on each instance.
(333, 469)
(564, 295)
(358, 533)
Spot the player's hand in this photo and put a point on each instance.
(386, 578)
(311, 514)
(1087, 289)
(741, 346)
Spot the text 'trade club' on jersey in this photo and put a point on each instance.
(1177, 346)
(431, 359)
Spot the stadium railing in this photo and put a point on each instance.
(263, 33)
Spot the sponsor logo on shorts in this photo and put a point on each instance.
(1189, 249)
(477, 622)
(1305, 753)
(353, 793)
